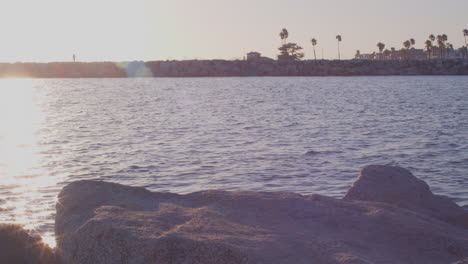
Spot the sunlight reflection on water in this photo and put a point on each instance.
(20, 168)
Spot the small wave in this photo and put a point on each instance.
(8, 208)
(457, 162)
(292, 124)
(442, 133)
(311, 153)
(136, 168)
(251, 127)
(207, 167)
(28, 176)
(393, 163)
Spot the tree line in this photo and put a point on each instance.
(434, 44)
(292, 51)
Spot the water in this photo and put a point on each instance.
(305, 135)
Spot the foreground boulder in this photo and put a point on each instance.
(100, 222)
(399, 187)
(17, 246)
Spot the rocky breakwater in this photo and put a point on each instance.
(209, 68)
(231, 68)
(388, 216)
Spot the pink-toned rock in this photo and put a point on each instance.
(99, 222)
(398, 186)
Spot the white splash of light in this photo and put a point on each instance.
(21, 173)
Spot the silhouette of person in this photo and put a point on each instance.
(74, 58)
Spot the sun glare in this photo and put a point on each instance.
(19, 116)
(21, 175)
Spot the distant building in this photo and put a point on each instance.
(463, 52)
(253, 56)
(448, 53)
(417, 54)
(460, 53)
(360, 56)
(403, 54)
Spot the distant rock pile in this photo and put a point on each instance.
(236, 68)
(388, 216)
(223, 68)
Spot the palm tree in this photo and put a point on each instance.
(449, 48)
(284, 34)
(428, 48)
(432, 37)
(289, 50)
(412, 41)
(444, 37)
(465, 34)
(381, 47)
(314, 42)
(392, 52)
(338, 37)
(441, 44)
(407, 45)
(386, 53)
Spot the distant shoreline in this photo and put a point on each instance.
(236, 68)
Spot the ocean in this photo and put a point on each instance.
(295, 134)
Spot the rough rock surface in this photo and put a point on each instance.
(18, 247)
(100, 222)
(398, 186)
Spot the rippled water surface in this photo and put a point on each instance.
(305, 135)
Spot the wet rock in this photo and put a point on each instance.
(18, 247)
(100, 222)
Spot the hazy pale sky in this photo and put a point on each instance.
(116, 30)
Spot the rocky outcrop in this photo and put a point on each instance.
(225, 68)
(100, 222)
(17, 246)
(398, 186)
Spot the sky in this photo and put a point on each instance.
(116, 30)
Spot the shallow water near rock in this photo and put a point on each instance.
(304, 135)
